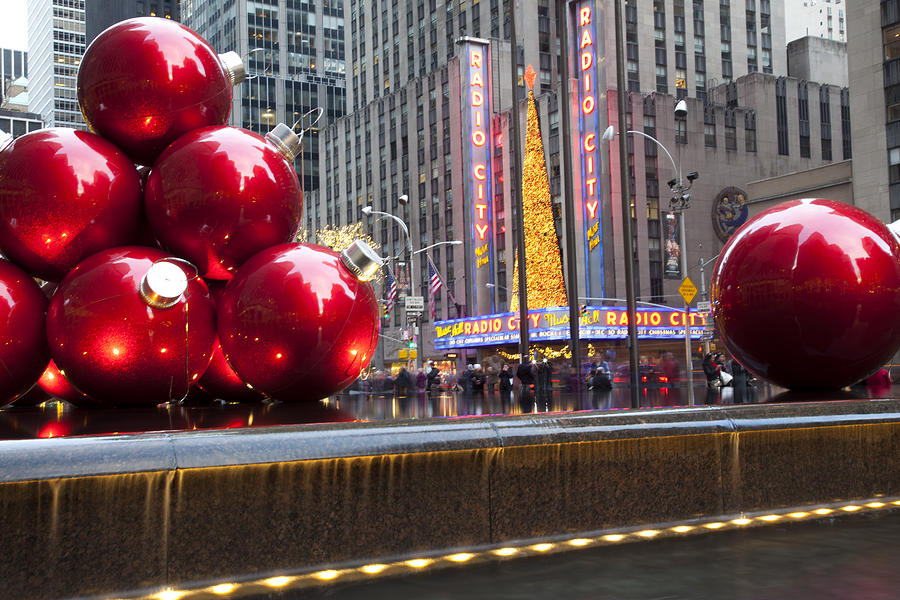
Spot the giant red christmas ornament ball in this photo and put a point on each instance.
(143, 82)
(65, 194)
(122, 341)
(299, 321)
(23, 346)
(219, 195)
(807, 294)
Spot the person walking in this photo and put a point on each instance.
(433, 381)
(477, 380)
(739, 381)
(421, 382)
(403, 383)
(525, 373)
(492, 380)
(505, 380)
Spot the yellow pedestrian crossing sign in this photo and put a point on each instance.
(687, 290)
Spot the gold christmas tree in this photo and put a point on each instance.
(543, 262)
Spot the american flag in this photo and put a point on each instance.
(391, 292)
(434, 285)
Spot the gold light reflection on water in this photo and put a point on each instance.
(579, 542)
(326, 575)
(373, 569)
(509, 551)
(279, 581)
(461, 557)
(418, 563)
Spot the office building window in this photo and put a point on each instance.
(709, 126)
(825, 120)
(750, 131)
(845, 124)
(781, 115)
(803, 116)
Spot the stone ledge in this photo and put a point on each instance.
(111, 514)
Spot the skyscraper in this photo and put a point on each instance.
(100, 14)
(13, 64)
(874, 31)
(56, 44)
(429, 94)
(817, 18)
(294, 53)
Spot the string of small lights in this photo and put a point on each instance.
(549, 352)
(345, 574)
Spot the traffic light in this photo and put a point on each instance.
(412, 344)
(582, 309)
(385, 312)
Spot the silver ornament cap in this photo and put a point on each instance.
(234, 66)
(163, 284)
(287, 142)
(361, 260)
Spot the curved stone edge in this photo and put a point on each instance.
(24, 460)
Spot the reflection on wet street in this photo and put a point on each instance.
(827, 559)
(59, 419)
(456, 404)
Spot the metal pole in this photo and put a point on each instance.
(627, 241)
(703, 295)
(415, 288)
(515, 190)
(562, 18)
(688, 365)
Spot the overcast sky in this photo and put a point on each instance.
(13, 25)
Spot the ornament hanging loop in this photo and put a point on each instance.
(312, 124)
(267, 70)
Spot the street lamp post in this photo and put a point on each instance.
(414, 289)
(678, 203)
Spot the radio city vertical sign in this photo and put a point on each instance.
(475, 78)
(584, 29)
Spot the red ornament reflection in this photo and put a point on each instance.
(143, 82)
(807, 294)
(115, 347)
(296, 324)
(23, 346)
(53, 382)
(221, 382)
(65, 194)
(218, 195)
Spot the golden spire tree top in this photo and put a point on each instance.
(530, 74)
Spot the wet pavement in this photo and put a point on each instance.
(59, 419)
(827, 559)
